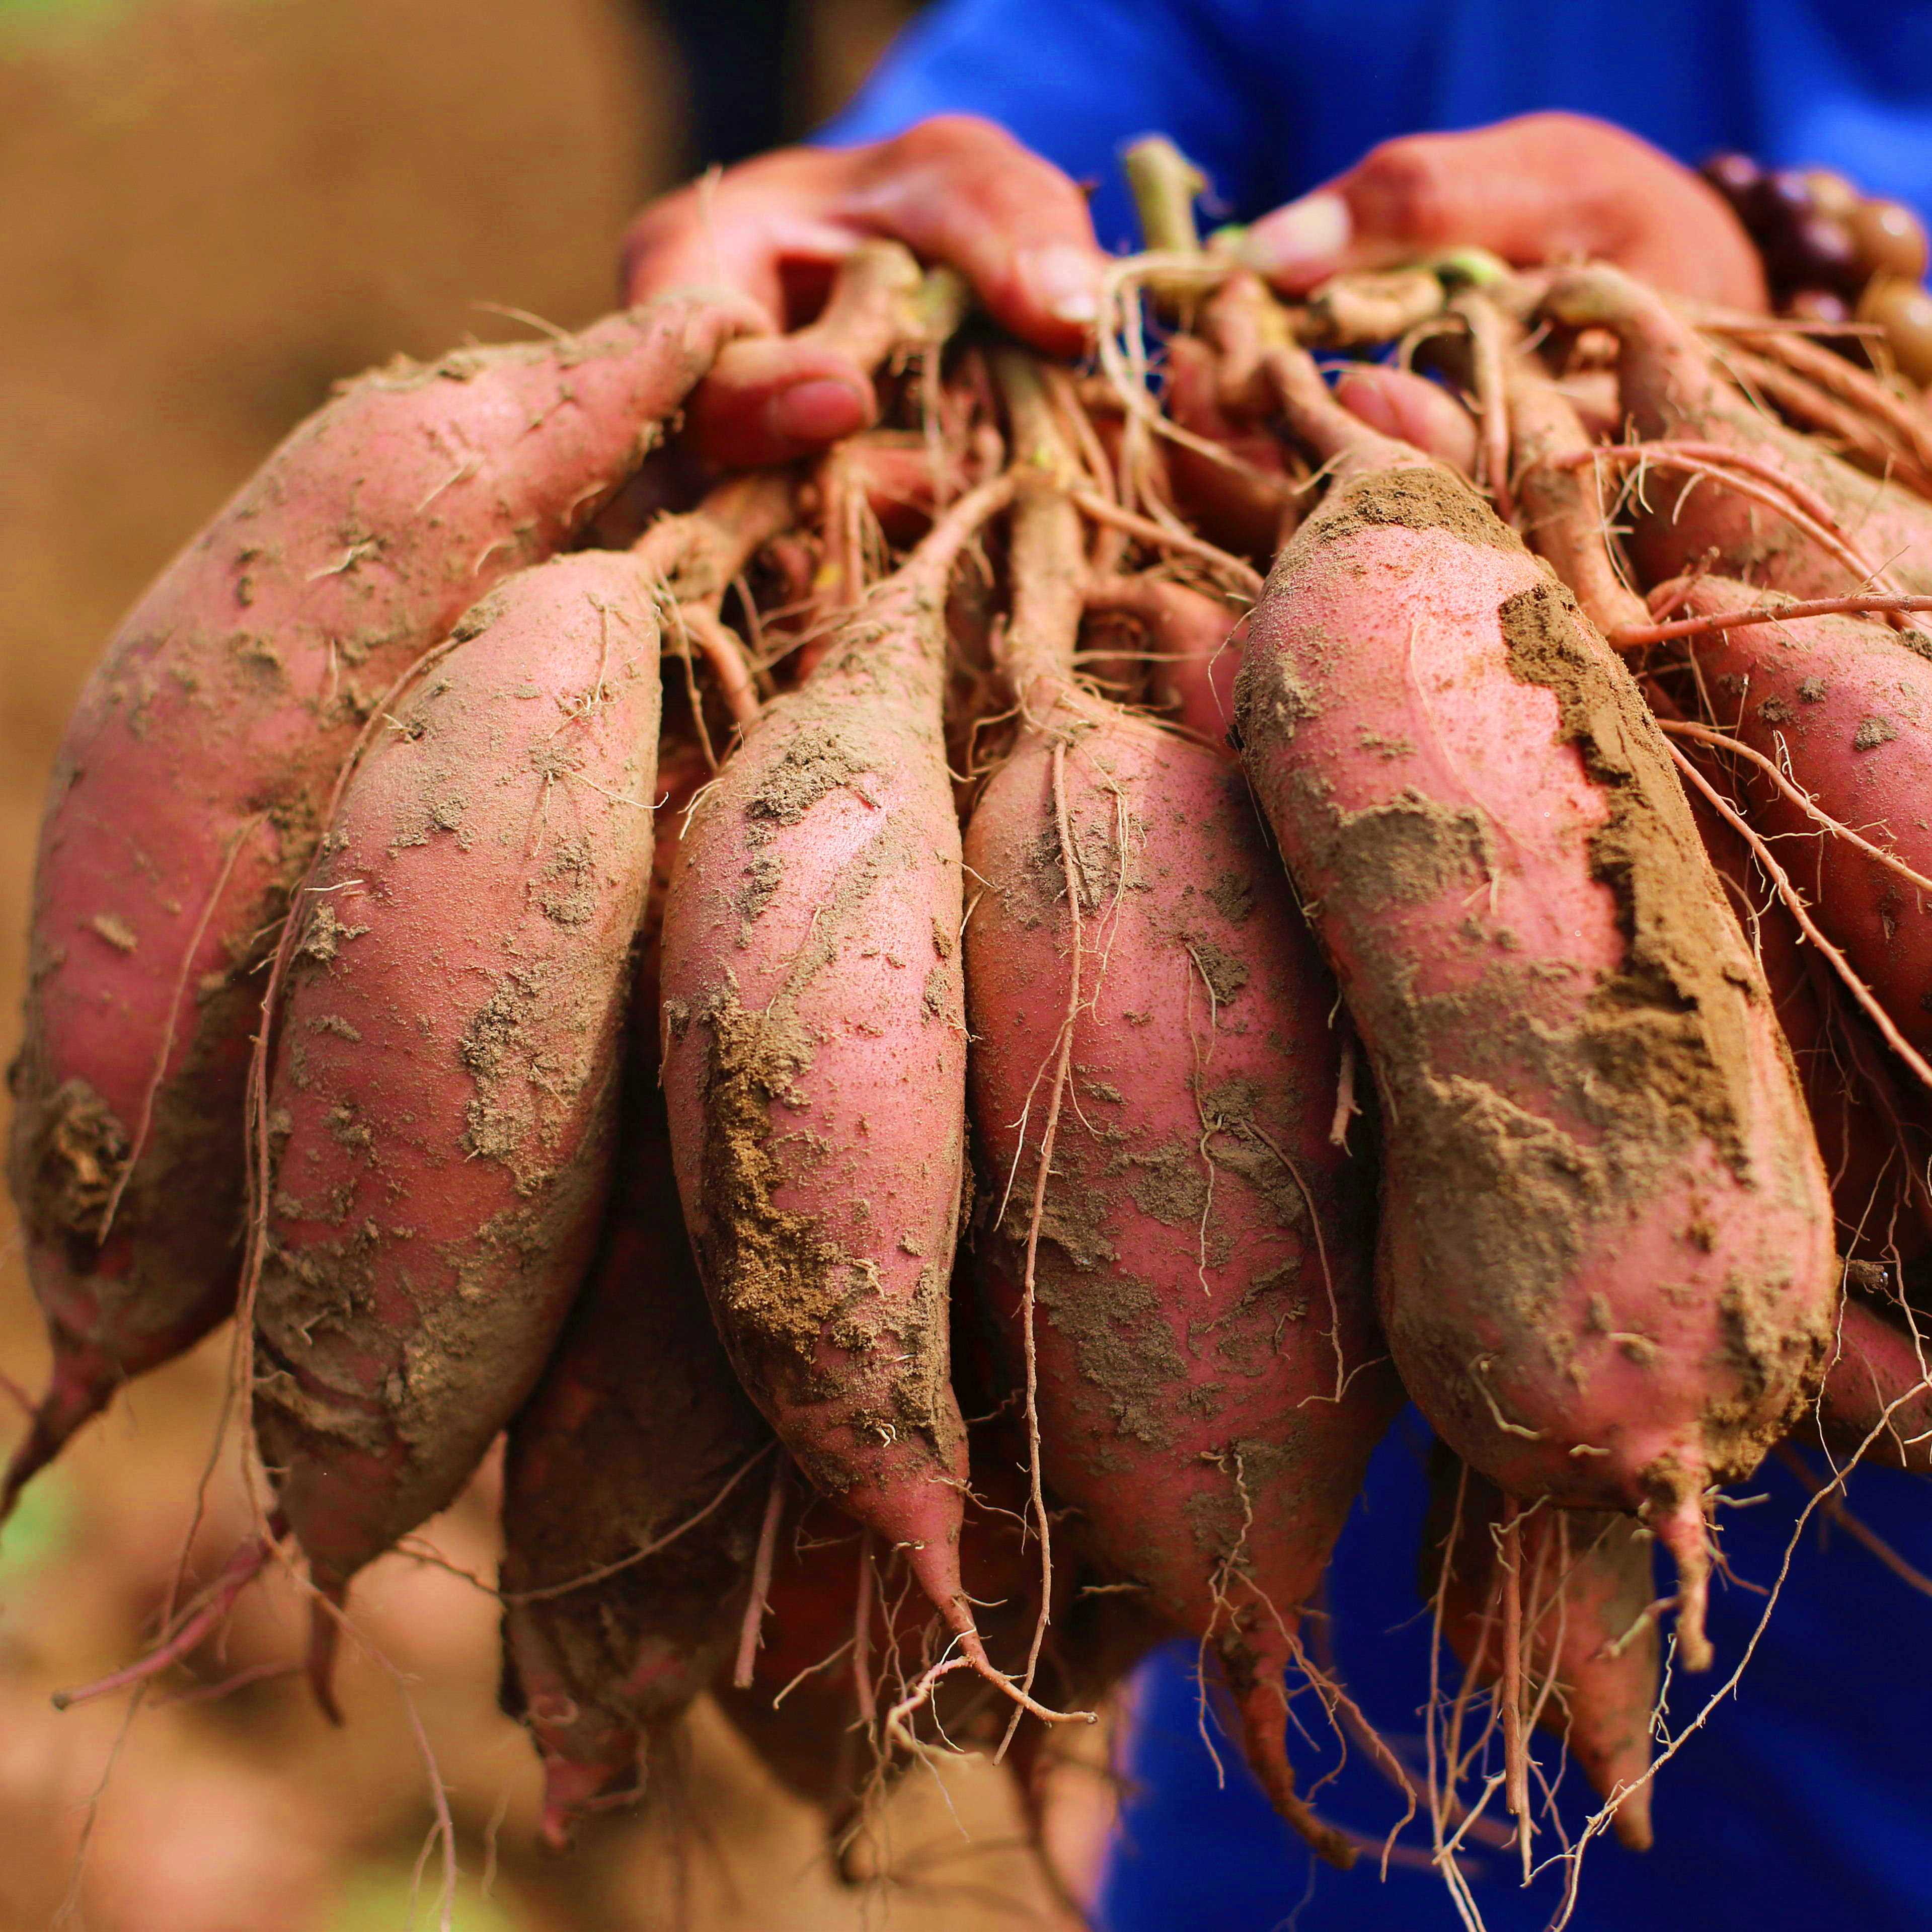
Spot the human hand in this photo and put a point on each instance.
(954, 189)
(1545, 187)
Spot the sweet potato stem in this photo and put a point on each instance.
(1749, 477)
(248, 1561)
(722, 650)
(1637, 637)
(751, 1634)
(1831, 372)
(1243, 575)
(1488, 341)
(696, 556)
(1799, 395)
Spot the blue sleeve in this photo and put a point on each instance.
(1803, 1801)
(1274, 96)
(1074, 80)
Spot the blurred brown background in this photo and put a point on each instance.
(212, 209)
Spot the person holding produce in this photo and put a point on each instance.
(1353, 138)
(936, 924)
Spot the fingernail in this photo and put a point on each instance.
(1061, 279)
(1303, 241)
(820, 410)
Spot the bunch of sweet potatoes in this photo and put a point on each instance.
(728, 997)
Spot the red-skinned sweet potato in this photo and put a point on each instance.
(1865, 1133)
(638, 1434)
(185, 802)
(1585, 1582)
(1844, 706)
(1870, 1135)
(1605, 1266)
(814, 1065)
(1877, 1397)
(638, 1428)
(1672, 388)
(442, 1106)
(1199, 1254)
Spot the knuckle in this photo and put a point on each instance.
(651, 226)
(1563, 123)
(953, 139)
(1405, 186)
(653, 230)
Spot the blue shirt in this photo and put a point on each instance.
(1806, 1801)
(1273, 97)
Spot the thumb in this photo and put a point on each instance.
(1492, 188)
(1544, 188)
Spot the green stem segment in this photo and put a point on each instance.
(1165, 185)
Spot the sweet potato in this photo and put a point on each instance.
(1593, 1662)
(1605, 1268)
(1673, 388)
(1878, 1384)
(1869, 1130)
(1150, 1024)
(442, 1106)
(814, 1065)
(1864, 1123)
(637, 1435)
(185, 801)
(1844, 707)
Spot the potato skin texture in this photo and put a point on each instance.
(188, 793)
(1606, 1267)
(814, 1069)
(443, 1103)
(1204, 1258)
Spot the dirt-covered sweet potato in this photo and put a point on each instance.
(637, 1440)
(815, 1065)
(442, 1110)
(187, 796)
(1184, 1291)
(1876, 1403)
(1605, 1266)
(1842, 707)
